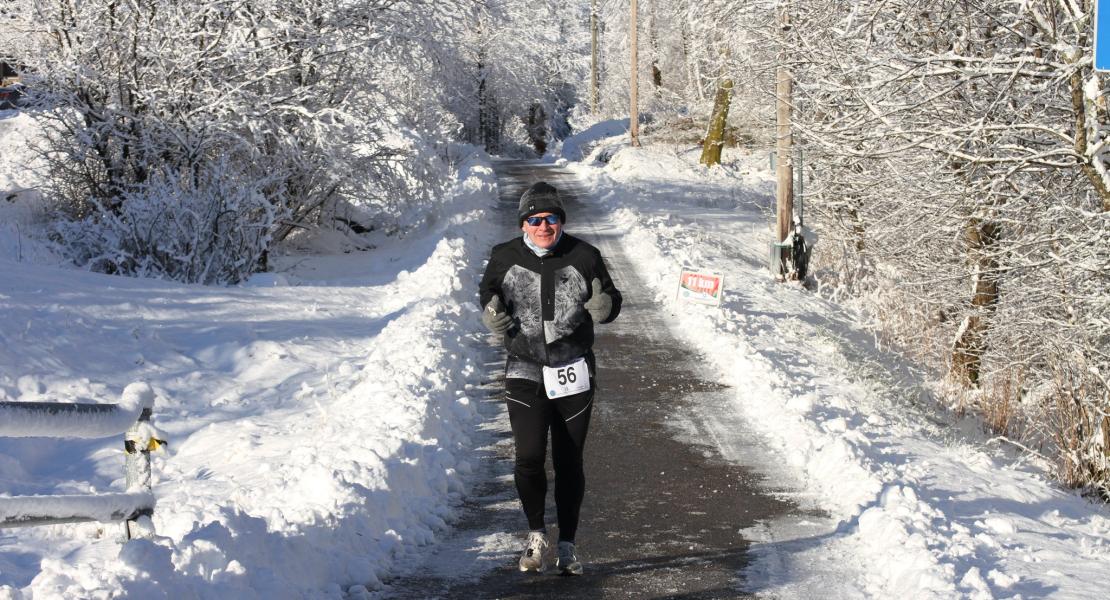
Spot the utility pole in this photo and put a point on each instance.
(784, 196)
(634, 117)
(593, 57)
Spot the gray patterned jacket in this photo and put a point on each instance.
(545, 296)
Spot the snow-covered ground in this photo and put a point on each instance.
(319, 418)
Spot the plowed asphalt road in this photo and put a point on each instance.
(664, 509)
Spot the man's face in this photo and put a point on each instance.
(543, 234)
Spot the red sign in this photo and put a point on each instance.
(700, 286)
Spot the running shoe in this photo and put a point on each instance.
(568, 561)
(532, 557)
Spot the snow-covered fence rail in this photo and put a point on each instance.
(130, 417)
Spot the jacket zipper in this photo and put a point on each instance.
(543, 309)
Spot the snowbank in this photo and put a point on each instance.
(318, 429)
(582, 144)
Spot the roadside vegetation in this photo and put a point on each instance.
(953, 156)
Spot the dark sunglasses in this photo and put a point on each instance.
(534, 221)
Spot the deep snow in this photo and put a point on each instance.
(321, 418)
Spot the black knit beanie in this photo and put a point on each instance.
(541, 197)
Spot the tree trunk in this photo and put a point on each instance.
(487, 122)
(1086, 121)
(849, 212)
(784, 153)
(593, 58)
(653, 39)
(967, 355)
(634, 84)
(537, 128)
(715, 136)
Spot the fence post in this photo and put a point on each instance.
(137, 470)
(132, 415)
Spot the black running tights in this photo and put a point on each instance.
(532, 414)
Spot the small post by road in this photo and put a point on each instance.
(593, 57)
(634, 115)
(784, 196)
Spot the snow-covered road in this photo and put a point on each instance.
(664, 506)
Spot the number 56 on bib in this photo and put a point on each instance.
(568, 379)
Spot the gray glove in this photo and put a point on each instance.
(495, 317)
(600, 304)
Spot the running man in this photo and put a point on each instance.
(542, 293)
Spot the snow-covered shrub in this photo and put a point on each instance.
(1079, 422)
(417, 170)
(214, 228)
(292, 97)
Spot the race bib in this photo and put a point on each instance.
(571, 378)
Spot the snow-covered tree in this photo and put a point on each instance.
(278, 98)
(957, 155)
(690, 51)
(955, 163)
(523, 65)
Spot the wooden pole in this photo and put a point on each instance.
(593, 58)
(784, 197)
(634, 116)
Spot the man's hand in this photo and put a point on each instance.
(600, 304)
(495, 317)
